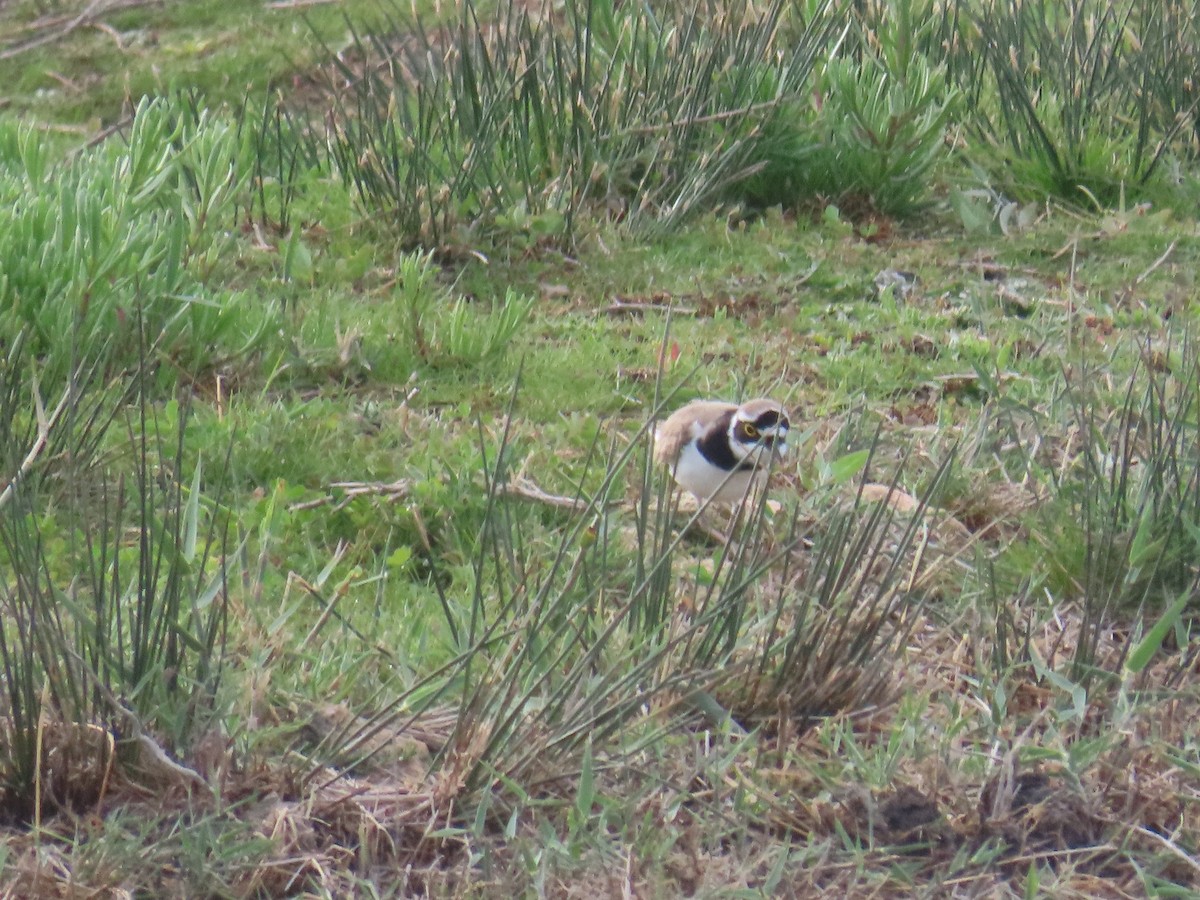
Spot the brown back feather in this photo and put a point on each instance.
(677, 429)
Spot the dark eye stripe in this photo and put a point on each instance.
(770, 418)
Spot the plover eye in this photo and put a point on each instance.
(749, 432)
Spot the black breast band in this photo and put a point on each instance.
(714, 446)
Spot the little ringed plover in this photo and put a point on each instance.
(716, 449)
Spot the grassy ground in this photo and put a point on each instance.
(1000, 758)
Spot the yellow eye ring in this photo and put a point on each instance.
(749, 431)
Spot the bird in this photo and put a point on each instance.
(715, 449)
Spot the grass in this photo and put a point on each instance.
(89, 76)
(426, 623)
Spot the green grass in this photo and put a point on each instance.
(93, 76)
(1035, 386)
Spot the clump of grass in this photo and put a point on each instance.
(279, 157)
(524, 123)
(876, 125)
(113, 592)
(440, 331)
(827, 642)
(1126, 529)
(120, 232)
(1070, 101)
